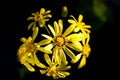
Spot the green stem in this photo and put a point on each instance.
(47, 30)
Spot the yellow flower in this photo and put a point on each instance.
(27, 51)
(79, 24)
(60, 42)
(40, 18)
(55, 70)
(85, 50)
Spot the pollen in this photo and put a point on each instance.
(60, 41)
(86, 50)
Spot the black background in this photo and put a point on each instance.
(104, 41)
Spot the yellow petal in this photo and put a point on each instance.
(75, 37)
(48, 11)
(51, 29)
(38, 63)
(47, 59)
(49, 46)
(30, 25)
(82, 62)
(75, 47)
(28, 66)
(62, 74)
(44, 42)
(62, 68)
(42, 11)
(87, 26)
(76, 29)
(60, 23)
(62, 56)
(69, 30)
(31, 61)
(56, 57)
(30, 18)
(42, 71)
(76, 59)
(44, 50)
(72, 21)
(56, 27)
(88, 38)
(46, 36)
(69, 53)
(23, 40)
(80, 18)
(35, 33)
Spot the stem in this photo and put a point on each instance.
(47, 30)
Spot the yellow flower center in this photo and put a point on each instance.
(29, 47)
(86, 50)
(52, 70)
(60, 41)
(38, 17)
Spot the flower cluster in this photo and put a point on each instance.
(57, 46)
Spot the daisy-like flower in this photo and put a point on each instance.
(26, 52)
(80, 26)
(60, 42)
(40, 18)
(85, 50)
(53, 69)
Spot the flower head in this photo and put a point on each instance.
(60, 42)
(55, 70)
(80, 26)
(85, 50)
(26, 52)
(40, 18)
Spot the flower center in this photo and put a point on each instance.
(52, 70)
(86, 50)
(25, 48)
(60, 41)
(38, 17)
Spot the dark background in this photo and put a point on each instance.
(104, 40)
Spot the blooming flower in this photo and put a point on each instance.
(26, 52)
(79, 24)
(61, 41)
(40, 17)
(55, 70)
(85, 50)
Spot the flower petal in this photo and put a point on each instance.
(51, 29)
(23, 39)
(60, 23)
(69, 53)
(44, 42)
(42, 11)
(47, 59)
(48, 11)
(75, 47)
(82, 62)
(80, 18)
(56, 27)
(76, 59)
(75, 37)
(38, 63)
(43, 71)
(35, 33)
(69, 30)
(62, 57)
(46, 36)
(72, 21)
(30, 25)
(30, 18)
(44, 50)
(62, 68)
(55, 56)
(28, 66)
